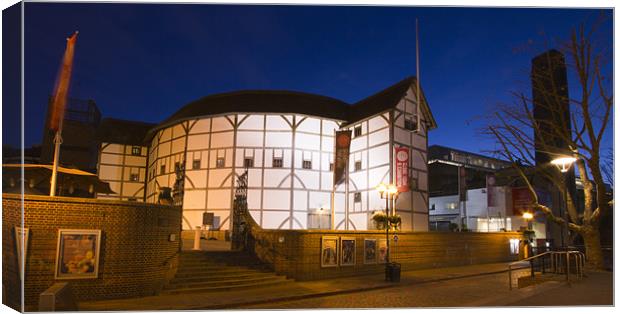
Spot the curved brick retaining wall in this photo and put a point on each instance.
(136, 256)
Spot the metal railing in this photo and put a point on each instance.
(556, 262)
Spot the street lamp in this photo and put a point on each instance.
(387, 192)
(564, 163)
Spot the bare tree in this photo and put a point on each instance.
(581, 131)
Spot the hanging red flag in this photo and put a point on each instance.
(59, 99)
(341, 157)
(402, 168)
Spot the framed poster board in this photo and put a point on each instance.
(329, 251)
(381, 251)
(347, 251)
(77, 254)
(370, 251)
(21, 243)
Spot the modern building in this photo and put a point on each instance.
(285, 140)
(461, 195)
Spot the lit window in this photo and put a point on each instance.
(220, 162)
(357, 197)
(248, 162)
(277, 162)
(136, 150)
(358, 165)
(162, 169)
(451, 205)
(307, 164)
(133, 177)
(357, 131)
(196, 164)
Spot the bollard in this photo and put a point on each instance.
(197, 238)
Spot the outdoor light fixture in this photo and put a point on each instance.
(527, 216)
(387, 191)
(564, 163)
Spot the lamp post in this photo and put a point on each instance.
(387, 192)
(564, 163)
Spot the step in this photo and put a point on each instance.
(218, 276)
(204, 273)
(222, 282)
(277, 281)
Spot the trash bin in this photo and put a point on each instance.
(393, 272)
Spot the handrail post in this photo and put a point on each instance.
(567, 266)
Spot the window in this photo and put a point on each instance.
(177, 166)
(220, 162)
(136, 150)
(277, 162)
(248, 162)
(358, 165)
(432, 206)
(357, 131)
(451, 206)
(196, 164)
(162, 169)
(307, 164)
(410, 124)
(133, 177)
(331, 166)
(357, 197)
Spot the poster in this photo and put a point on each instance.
(21, 239)
(329, 251)
(77, 254)
(382, 251)
(370, 251)
(347, 254)
(341, 158)
(402, 168)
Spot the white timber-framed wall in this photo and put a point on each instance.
(290, 157)
(124, 168)
(278, 197)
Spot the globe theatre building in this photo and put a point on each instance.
(286, 141)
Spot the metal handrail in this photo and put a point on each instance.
(556, 259)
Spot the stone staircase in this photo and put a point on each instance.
(200, 272)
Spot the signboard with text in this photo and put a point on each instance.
(402, 168)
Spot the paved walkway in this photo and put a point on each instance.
(290, 291)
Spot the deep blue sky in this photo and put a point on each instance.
(144, 61)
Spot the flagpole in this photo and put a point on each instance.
(57, 142)
(417, 75)
(333, 200)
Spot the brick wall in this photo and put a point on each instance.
(297, 253)
(136, 256)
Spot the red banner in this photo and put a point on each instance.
(491, 190)
(462, 176)
(521, 201)
(341, 157)
(62, 87)
(402, 168)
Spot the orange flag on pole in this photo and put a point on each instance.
(62, 89)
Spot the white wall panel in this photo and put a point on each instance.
(378, 155)
(359, 177)
(254, 177)
(178, 145)
(382, 136)
(250, 138)
(277, 199)
(273, 177)
(320, 200)
(163, 150)
(275, 122)
(217, 176)
(220, 124)
(252, 122)
(312, 125)
(272, 220)
(110, 172)
(178, 131)
(358, 143)
(420, 222)
(300, 220)
(198, 178)
(111, 159)
(254, 199)
(219, 199)
(278, 139)
(360, 220)
(329, 127)
(198, 142)
(376, 123)
(402, 136)
(300, 200)
(307, 141)
(309, 178)
(194, 199)
(135, 161)
(327, 180)
(224, 139)
(166, 135)
(201, 126)
(112, 148)
(378, 176)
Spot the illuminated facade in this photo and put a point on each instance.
(286, 141)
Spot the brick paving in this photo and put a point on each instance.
(303, 290)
